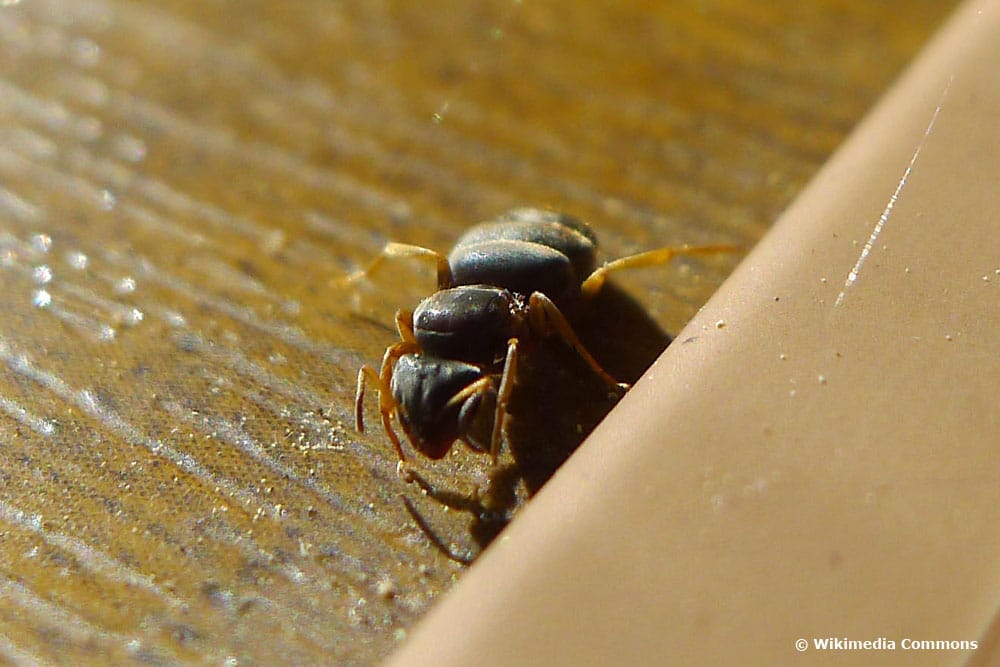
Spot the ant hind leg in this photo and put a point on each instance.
(401, 250)
(595, 280)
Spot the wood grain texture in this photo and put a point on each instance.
(182, 183)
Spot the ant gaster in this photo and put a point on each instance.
(504, 282)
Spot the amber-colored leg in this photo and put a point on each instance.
(595, 280)
(478, 388)
(386, 403)
(507, 381)
(402, 250)
(404, 325)
(389, 359)
(546, 317)
(368, 373)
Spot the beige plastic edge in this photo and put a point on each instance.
(818, 455)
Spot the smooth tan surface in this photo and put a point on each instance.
(181, 182)
(818, 455)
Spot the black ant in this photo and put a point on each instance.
(504, 282)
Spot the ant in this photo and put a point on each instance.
(504, 282)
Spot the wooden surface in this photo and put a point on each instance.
(180, 185)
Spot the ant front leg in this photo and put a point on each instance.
(503, 398)
(485, 385)
(386, 403)
(386, 407)
(595, 280)
(403, 250)
(546, 316)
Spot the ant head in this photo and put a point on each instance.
(440, 401)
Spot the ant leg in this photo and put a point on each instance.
(398, 250)
(387, 406)
(386, 403)
(404, 325)
(507, 381)
(544, 313)
(391, 356)
(595, 280)
(477, 389)
(480, 386)
(366, 373)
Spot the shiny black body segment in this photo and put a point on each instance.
(471, 322)
(424, 386)
(505, 281)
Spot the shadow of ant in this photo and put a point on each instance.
(556, 403)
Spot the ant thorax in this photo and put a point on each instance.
(471, 323)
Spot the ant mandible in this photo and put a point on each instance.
(503, 282)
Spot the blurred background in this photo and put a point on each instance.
(183, 183)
